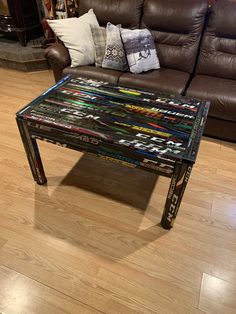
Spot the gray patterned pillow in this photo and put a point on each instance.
(115, 55)
(99, 38)
(140, 50)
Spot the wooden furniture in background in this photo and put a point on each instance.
(19, 17)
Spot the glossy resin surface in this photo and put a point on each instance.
(137, 128)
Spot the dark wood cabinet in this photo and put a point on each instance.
(20, 17)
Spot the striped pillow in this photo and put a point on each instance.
(99, 38)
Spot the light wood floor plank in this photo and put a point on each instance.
(217, 296)
(20, 294)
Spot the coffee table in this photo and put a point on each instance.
(139, 129)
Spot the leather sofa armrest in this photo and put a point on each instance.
(58, 58)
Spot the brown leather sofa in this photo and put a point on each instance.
(215, 77)
(177, 26)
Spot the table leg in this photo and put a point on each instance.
(178, 184)
(32, 152)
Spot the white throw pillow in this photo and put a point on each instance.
(76, 35)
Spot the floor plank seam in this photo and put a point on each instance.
(45, 285)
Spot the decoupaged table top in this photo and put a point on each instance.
(117, 122)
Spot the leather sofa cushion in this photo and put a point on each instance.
(222, 129)
(93, 72)
(176, 27)
(218, 48)
(125, 12)
(163, 80)
(221, 92)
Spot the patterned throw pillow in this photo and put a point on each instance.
(140, 50)
(99, 38)
(115, 55)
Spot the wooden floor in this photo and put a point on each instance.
(88, 241)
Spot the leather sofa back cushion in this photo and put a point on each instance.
(218, 49)
(176, 27)
(125, 12)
